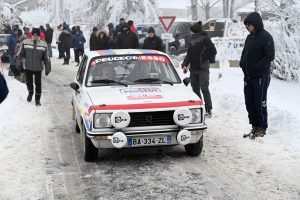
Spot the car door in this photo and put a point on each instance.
(180, 37)
(80, 95)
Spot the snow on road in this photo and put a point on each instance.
(264, 168)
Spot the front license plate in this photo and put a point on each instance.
(149, 141)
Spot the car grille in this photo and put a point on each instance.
(151, 118)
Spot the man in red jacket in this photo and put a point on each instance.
(131, 26)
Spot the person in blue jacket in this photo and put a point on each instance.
(78, 41)
(257, 55)
(3, 88)
(11, 43)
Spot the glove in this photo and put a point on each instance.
(47, 68)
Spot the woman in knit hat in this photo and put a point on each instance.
(200, 50)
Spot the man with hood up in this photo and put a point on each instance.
(127, 39)
(102, 40)
(198, 57)
(257, 55)
(66, 39)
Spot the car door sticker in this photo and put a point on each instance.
(182, 42)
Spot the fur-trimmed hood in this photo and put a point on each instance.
(101, 31)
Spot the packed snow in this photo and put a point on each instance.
(268, 166)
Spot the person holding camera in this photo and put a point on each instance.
(78, 41)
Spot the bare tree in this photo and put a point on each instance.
(194, 10)
(228, 8)
(206, 5)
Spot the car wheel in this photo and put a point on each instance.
(173, 51)
(194, 149)
(77, 129)
(89, 150)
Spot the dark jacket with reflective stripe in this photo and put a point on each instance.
(259, 51)
(35, 54)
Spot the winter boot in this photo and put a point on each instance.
(260, 132)
(37, 100)
(208, 113)
(251, 134)
(29, 97)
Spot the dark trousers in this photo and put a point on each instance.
(37, 81)
(66, 54)
(255, 91)
(201, 81)
(77, 53)
(59, 50)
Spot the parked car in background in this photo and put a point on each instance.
(181, 36)
(215, 27)
(3, 46)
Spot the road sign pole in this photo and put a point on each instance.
(167, 47)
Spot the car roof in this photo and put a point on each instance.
(120, 52)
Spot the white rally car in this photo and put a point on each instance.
(134, 98)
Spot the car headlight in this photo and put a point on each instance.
(196, 115)
(102, 121)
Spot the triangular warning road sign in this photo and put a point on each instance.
(167, 21)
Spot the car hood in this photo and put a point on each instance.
(142, 94)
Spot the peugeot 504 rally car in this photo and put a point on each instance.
(134, 98)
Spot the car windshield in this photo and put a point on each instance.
(131, 70)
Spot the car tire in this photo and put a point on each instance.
(89, 150)
(173, 51)
(77, 129)
(194, 149)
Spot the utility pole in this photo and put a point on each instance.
(57, 12)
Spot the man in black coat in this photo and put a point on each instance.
(93, 39)
(66, 39)
(198, 58)
(110, 29)
(48, 37)
(127, 39)
(257, 55)
(153, 42)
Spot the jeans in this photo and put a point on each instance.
(50, 50)
(60, 50)
(255, 91)
(201, 81)
(78, 52)
(11, 57)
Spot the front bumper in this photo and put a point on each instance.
(103, 139)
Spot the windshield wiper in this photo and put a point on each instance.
(150, 80)
(107, 81)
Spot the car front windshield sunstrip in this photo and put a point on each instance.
(131, 70)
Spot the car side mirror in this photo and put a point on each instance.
(74, 86)
(186, 81)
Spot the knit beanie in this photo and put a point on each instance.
(95, 29)
(36, 31)
(151, 30)
(130, 22)
(197, 27)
